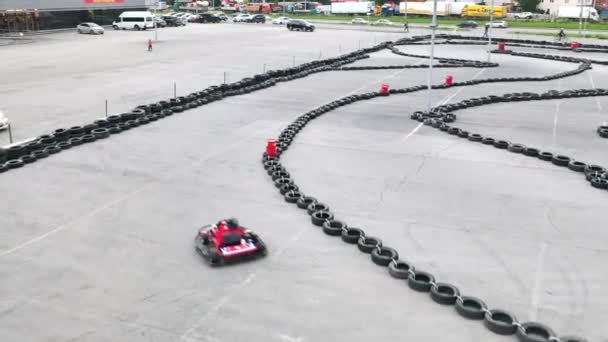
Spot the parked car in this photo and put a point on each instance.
(209, 18)
(240, 18)
(280, 21)
(222, 16)
(467, 24)
(134, 20)
(3, 122)
(382, 22)
(172, 21)
(523, 15)
(256, 18)
(160, 22)
(359, 21)
(90, 28)
(193, 18)
(498, 24)
(300, 25)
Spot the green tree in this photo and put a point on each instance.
(529, 5)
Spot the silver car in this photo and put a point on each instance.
(90, 28)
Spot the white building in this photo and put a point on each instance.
(553, 5)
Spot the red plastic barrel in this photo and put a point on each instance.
(501, 46)
(384, 88)
(449, 79)
(575, 45)
(271, 147)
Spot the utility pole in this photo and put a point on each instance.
(430, 80)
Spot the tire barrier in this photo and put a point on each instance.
(594, 174)
(65, 138)
(498, 321)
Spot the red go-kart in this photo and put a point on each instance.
(227, 241)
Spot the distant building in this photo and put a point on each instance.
(553, 5)
(32, 15)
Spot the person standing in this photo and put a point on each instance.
(149, 44)
(406, 27)
(485, 33)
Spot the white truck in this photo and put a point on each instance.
(351, 7)
(444, 8)
(574, 12)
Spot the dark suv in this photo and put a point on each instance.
(209, 18)
(300, 25)
(258, 18)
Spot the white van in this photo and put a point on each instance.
(134, 20)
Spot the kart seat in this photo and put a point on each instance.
(231, 238)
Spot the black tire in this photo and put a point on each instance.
(287, 188)
(445, 294)
(531, 152)
(317, 206)
(475, 137)
(64, 145)
(400, 269)
(292, 196)
(319, 217)
(534, 332)
(279, 174)
(14, 163)
(560, 160)
(501, 144)
(577, 166)
(279, 182)
(352, 235)
(383, 256)
(367, 244)
(487, 141)
(500, 322)
(100, 133)
(471, 308)
(516, 148)
(88, 138)
(546, 156)
(599, 182)
(28, 158)
(75, 141)
(420, 281)
(52, 149)
(39, 154)
(305, 201)
(334, 227)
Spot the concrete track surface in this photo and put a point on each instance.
(96, 242)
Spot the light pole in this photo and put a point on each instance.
(580, 17)
(155, 22)
(490, 29)
(433, 27)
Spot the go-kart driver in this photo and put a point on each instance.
(225, 226)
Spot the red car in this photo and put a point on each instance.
(227, 241)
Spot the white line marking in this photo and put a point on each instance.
(459, 89)
(412, 132)
(71, 223)
(597, 100)
(538, 277)
(235, 289)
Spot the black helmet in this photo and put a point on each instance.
(232, 222)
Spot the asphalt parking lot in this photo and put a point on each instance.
(97, 241)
